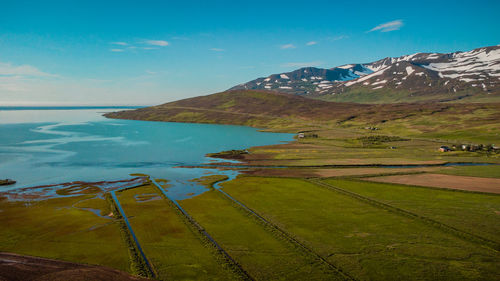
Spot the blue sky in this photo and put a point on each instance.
(150, 52)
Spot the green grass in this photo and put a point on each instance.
(471, 212)
(262, 253)
(367, 242)
(54, 229)
(209, 181)
(176, 251)
(473, 171)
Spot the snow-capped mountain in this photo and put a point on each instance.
(417, 76)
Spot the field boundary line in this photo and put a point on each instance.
(233, 263)
(444, 227)
(285, 234)
(138, 255)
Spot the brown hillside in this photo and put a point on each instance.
(264, 108)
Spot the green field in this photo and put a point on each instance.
(474, 171)
(471, 212)
(61, 229)
(263, 254)
(368, 242)
(176, 251)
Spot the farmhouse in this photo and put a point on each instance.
(444, 148)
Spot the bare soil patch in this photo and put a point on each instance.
(491, 185)
(17, 267)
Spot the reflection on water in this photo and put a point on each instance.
(39, 147)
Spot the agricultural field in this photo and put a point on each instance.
(176, 251)
(370, 243)
(476, 213)
(264, 254)
(73, 229)
(492, 171)
(490, 185)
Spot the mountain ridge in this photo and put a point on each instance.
(418, 77)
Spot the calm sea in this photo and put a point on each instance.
(48, 146)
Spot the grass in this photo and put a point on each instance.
(262, 253)
(367, 242)
(54, 229)
(471, 212)
(474, 171)
(209, 181)
(174, 249)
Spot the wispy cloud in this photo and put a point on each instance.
(302, 64)
(336, 38)
(119, 43)
(19, 78)
(310, 43)
(139, 45)
(217, 49)
(287, 46)
(160, 43)
(388, 26)
(7, 69)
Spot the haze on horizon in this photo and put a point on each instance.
(150, 52)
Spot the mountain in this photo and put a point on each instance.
(243, 107)
(284, 112)
(473, 75)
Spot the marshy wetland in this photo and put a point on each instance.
(112, 192)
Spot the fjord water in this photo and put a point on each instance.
(39, 147)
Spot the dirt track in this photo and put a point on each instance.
(491, 185)
(15, 267)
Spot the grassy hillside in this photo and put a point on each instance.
(472, 122)
(252, 108)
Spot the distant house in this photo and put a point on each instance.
(444, 148)
(301, 135)
(464, 147)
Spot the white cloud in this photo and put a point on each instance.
(8, 69)
(160, 43)
(217, 49)
(388, 26)
(116, 50)
(302, 64)
(119, 43)
(310, 43)
(287, 46)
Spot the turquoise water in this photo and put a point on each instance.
(39, 147)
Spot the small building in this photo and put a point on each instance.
(301, 135)
(464, 147)
(444, 148)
